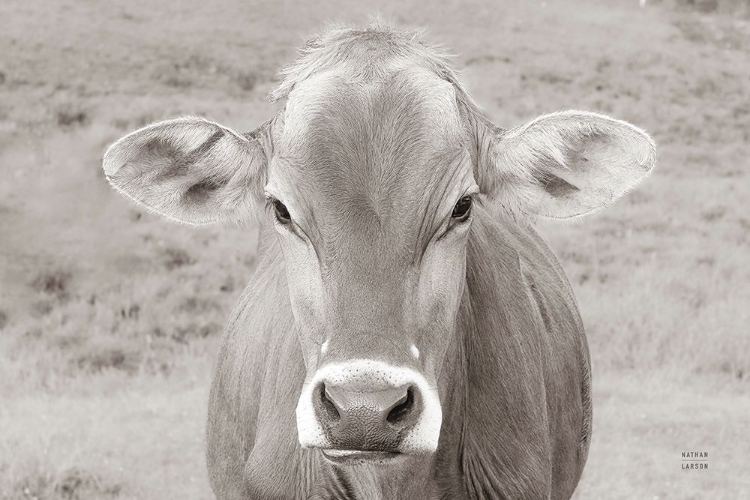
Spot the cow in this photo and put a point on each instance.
(407, 333)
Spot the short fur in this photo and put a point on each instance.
(380, 131)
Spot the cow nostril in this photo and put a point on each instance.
(402, 408)
(328, 404)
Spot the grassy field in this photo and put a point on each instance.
(110, 318)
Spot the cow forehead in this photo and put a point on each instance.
(398, 92)
(372, 148)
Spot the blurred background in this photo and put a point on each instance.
(110, 317)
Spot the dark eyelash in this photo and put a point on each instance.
(268, 207)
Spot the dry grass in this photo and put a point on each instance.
(109, 317)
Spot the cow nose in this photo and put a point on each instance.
(365, 418)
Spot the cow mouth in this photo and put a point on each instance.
(352, 457)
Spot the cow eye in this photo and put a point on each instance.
(462, 210)
(281, 212)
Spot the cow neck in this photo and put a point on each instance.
(504, 448)
(447, 474)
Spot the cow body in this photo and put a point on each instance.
(407, 334)
(520, 357)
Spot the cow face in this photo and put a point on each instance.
(371, 191)
(369, 176)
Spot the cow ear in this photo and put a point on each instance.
(190, 170)
(568, 164)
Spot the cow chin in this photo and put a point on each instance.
(368, 410)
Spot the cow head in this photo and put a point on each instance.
(370, 176)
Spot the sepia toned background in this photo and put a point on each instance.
(110, 317)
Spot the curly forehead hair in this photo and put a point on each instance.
(365, 52)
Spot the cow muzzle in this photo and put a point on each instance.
(368, 410)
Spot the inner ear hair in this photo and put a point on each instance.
(557, 186)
